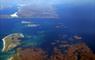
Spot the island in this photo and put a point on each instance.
(11, 41)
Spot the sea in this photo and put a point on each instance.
(72, 20)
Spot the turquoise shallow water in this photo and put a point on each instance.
(42, 35)
(73, 20)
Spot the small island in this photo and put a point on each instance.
(11, 41)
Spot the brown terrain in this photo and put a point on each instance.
(73, 52)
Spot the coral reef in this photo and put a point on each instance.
(73, 49)
(76, 52)
(73, 52)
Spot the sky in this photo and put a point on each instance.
(41, 2)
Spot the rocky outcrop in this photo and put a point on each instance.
(74, 52)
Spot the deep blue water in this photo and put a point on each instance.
(77, 20)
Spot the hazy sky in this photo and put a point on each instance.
(5, 3)
(45, 1)
(42, 3)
